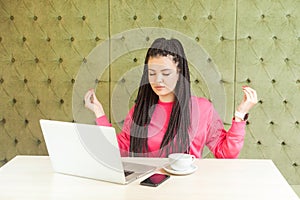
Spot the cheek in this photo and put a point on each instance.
(171, 83)
(151, 79)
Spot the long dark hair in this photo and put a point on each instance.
(176, 138)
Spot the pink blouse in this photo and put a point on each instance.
(206, 129)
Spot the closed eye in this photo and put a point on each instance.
(164, 72)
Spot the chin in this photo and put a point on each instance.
(161, 93)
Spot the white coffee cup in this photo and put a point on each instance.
(181, 161)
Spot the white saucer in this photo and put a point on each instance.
(185, 172)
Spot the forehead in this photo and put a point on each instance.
(161, 62)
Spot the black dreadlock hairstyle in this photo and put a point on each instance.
(176, 138)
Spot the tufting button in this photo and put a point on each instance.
(26, 121)
(123, 80)
(285, 101)
(36, 60)
(209, 17)
(197, 39)
(49, 81)
(247, 122)
(24, 39)
(261, 60)
(60, 60)
(48, 39)
(72, 39)
(134, 17)
(97, 39)
(274, 37)
(84, 60)
(258, 142)
(248, 80)
(286, 60)
(283, 143)
(122, 38)
(262, 16)
(11, 18)
(298, 81)
(196, 81)
(184, 17)
(288, 15)
(97, 81)
(3, 121)
(271, 122)
(135, 60)
(25, 80)
(297, 122)
(62, 101)
(38, 142)
(249, 37)
(273, 81)
(1, 80)
(37, 101)
(159, 17)
(295, 164)
(14, 101)
(83, 18)
(209, 60)
(13, 60)
(35, 18)
(0, 39)
(147, 38)
(72, 80)
(260, 102)
(222, 38)
(59, 18)
(16, 141)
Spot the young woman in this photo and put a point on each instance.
(167, 119)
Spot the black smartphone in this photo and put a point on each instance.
(155, 179)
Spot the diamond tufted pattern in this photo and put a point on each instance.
(42, 45)
(268, 59)
(51, 52)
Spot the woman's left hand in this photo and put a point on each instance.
(249, 100)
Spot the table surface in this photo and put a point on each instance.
(32, 177)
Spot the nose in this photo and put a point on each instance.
(159, 78)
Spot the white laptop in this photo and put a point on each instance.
(88, 151)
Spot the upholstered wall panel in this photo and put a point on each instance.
(268, 59)
(52, 51)
(198, 24)
(42, 45)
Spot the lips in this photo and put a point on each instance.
(159, 87)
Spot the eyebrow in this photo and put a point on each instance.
(163, 70)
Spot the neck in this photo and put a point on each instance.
(167, 98)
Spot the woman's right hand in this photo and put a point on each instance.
(92, 103)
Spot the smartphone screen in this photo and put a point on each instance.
(155, 179)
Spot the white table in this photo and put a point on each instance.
(32, 177)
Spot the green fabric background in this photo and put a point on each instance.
(44, 45)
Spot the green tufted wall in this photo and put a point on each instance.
(44, 45)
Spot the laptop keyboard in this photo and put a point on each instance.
(127, 173)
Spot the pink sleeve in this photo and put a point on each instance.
(225, 144)
(124, 136)
(103, 121)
